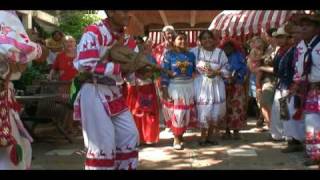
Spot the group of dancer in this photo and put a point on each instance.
(201, 87)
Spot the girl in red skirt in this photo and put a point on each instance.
(142, 101)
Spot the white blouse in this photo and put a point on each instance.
(216, 59)
(314, 76)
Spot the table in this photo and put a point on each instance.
(36, 97)
(45, 111)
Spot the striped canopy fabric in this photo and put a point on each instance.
(248, 22)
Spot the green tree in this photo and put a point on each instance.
(73, 22)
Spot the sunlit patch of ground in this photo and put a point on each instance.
(253, 151)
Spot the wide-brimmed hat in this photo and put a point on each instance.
(280, 32)
(145, 38)
(168, 28)
(291, 27)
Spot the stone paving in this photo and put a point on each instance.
(253, 152)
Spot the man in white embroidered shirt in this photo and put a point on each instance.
(308, 75)
(109, 132)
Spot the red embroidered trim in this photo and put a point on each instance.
(313, 142)
(6, 138)
(100, 68)
(100, 162)
(131, 44)
(89, 54)
(95, 30)
(116, 106)
(126, 156)
(116, 69)
(312, 101)
(77, 112)
(15, 106)
(180, 106)
(113, 34)
(180, 130)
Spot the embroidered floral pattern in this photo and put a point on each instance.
(313, 144)
(236, 115)
(183, 66)
(6, 138)
(312, 101)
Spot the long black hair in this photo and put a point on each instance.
(180, 33)
(57, 31)
(202, 33)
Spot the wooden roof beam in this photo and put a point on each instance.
(164, 18)
(193, 18)
(137, 22)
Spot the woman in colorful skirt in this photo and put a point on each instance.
(16, 50)
(236, 113)
(178, 91)
(209, 86)
(158, 53)
(142, 101)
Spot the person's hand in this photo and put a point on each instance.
(207, 69)
(212, 73)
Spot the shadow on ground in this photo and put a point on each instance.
(259, 152)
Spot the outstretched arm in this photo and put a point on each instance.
(88, 58)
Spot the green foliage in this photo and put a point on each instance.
(73, 22)
(35, 72)
(42, 33)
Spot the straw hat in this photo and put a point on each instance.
(280, 32)
(168, 28)
(291, 27)
(145, 38)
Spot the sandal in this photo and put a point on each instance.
(177, 147)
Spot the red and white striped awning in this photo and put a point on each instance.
(192, 35)
(239, 23)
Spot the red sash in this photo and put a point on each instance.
(116, 106)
